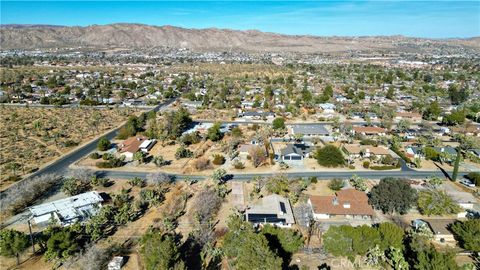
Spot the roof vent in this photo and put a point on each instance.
(335, 201)
(346, 205)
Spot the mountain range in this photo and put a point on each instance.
(139, 37)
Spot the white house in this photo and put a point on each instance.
(67, 211)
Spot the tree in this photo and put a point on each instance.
(139, 156)
(103, 144)
(277, 184)
(214, 133)
(284, 241)
(330, 156)
(336, 184)
(456, 165)
(456, 117)
(358, 183)
(246, 249)
(159, 161)
(391, 235)
(183, 152)
(62, 243)
(436, 202)
(392, 195)
(396, 259)
(74, 186)
(433, 111)
(350, 241)
(12, 243)
(219, 175)
(468, 233)
(278, 123)
(158, 178)
(257, 153)
(403, 125)
(160, 251)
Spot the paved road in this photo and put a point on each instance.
(320, 175)
(60, 166)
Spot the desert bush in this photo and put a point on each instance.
(183, 152)
(218, 159)
(336, 184)
(237, 164)
(95, 155)
(160, 161)
(202, 164)
(257, 155)
(24, 193)
(366, 164)
(158, 178)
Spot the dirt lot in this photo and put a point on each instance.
(31, 137)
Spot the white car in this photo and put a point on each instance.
(467, 183)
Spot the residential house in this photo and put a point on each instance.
(134, 144)
(369, 131)
(413, 117)
(295, 151)
(312, 130)
(67, 211)
(327, 107)
(419, 152)
(439, 228)
(354, 151)
(346, 203)
(273, 209)
(256, 115)
(201, 128)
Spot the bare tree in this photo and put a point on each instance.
(207, 204)
(258, 155)
(93, 258)
(82, 174)
(158, 178)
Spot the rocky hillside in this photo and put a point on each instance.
(137, 36)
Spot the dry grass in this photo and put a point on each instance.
(32, 137)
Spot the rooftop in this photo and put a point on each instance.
(344, 202)
(271, 209)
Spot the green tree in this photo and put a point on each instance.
(468, 234)
(278, 123)
(433, 111)
(103, 144)
(391, 235)
(456, 117)
(12, 243)
(245, 249)
(214, 133)
(62, 243)
(392, 195)
(330, 156)
(73, 186)
(436, 202)
(160, 251)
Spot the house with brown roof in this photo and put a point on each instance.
(369, 131)
(134, 144)
(414, 117)
(346, 203)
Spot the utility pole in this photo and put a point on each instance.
(31, 236)
(455, 167)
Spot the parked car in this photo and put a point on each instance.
(467, 183)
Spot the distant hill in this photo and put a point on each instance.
(139, 36)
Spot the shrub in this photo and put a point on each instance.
(202, 164)
(336, 184)
(218, 159)
(103, 144)
(95, 155)
(183, 152)
(237, 164)
(191, 138)
(313, 179)
(278, 123)
(330, 156)
(366, 164)
(474, 177)
(160, 161)
(383, 168)
(70, 143)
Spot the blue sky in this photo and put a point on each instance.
(435, 19)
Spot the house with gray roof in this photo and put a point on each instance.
(311, 130)
(67, 211)
(296, 151)
(273, 209)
